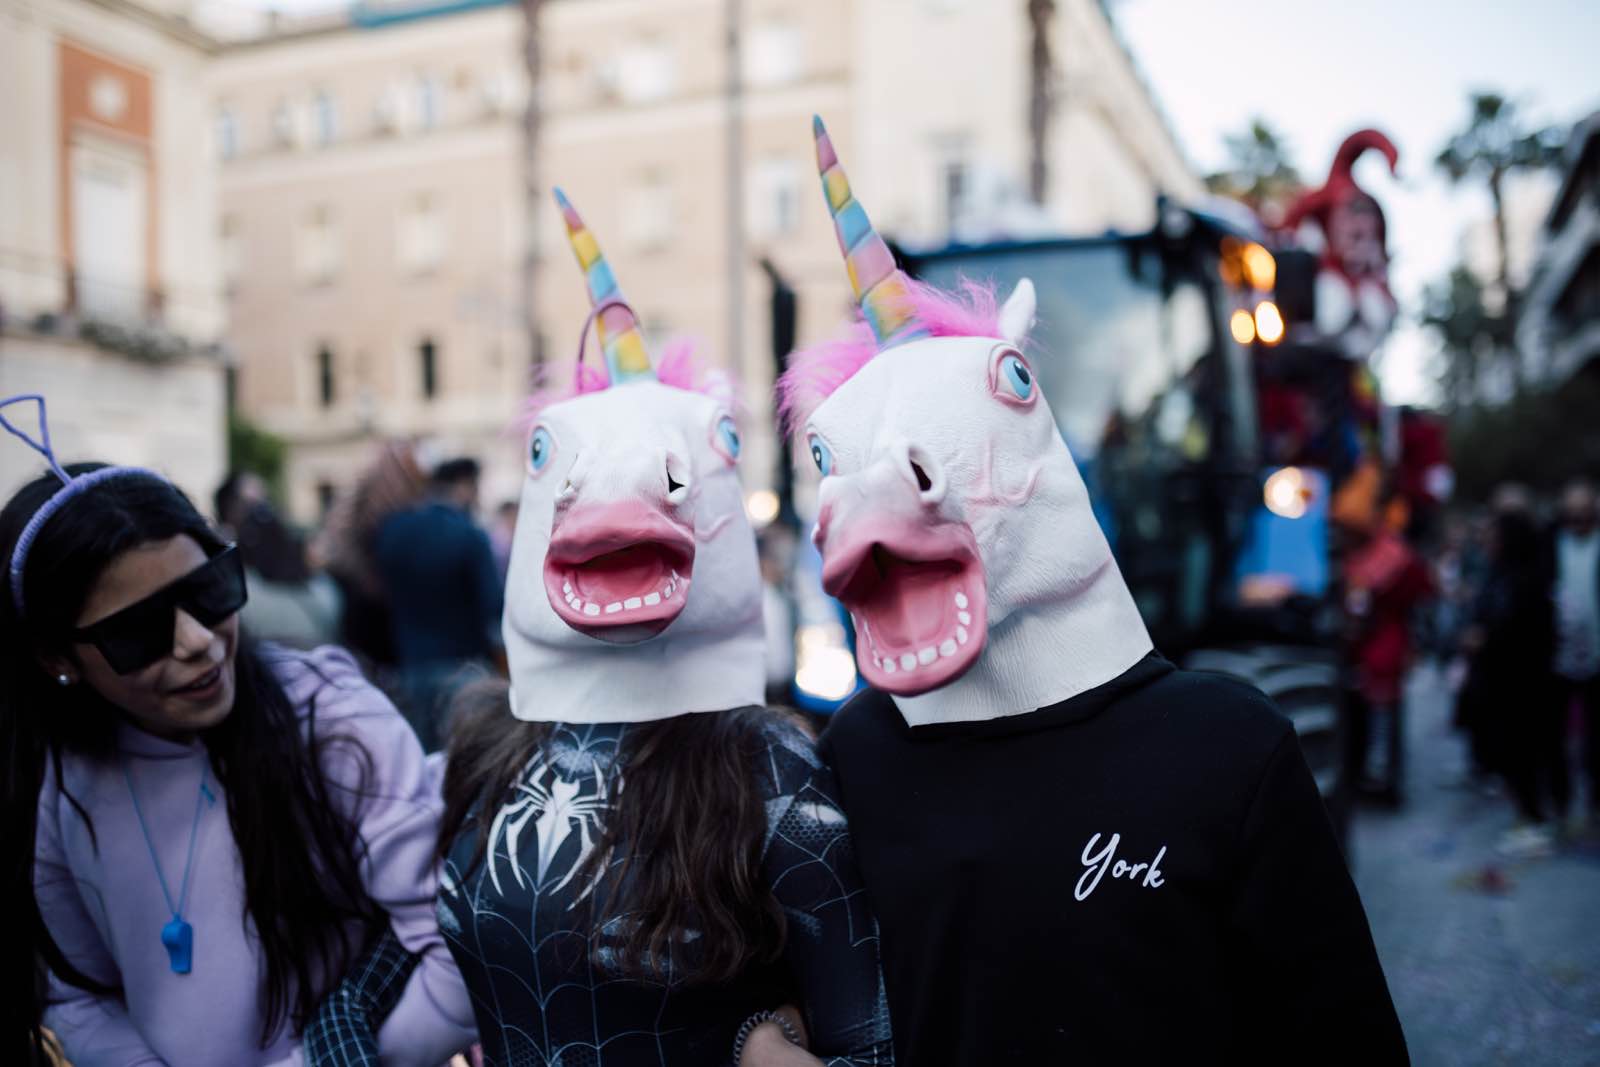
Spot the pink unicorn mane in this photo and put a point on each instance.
(680, 367)
(815, 371)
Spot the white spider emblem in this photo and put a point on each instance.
(556, 811)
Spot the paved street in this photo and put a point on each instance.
(1482, 972)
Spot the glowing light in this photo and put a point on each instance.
(1243, 326)
(1260, 267)
(1287, 492)
(761, 506)
(1269, 323)
(824, 667)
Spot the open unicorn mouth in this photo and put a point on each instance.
(619, 572)
(919, 603)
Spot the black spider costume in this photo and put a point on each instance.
(543, 994)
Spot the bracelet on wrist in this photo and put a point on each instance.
(750, 1024)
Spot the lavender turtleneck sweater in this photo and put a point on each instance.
(105, 907)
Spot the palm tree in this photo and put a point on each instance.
(1493, 144)
(1041, 96)
(1471, 337)
(1260, 170)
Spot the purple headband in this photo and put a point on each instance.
(70, 487)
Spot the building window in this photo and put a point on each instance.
(110, 218)
(228, 134)
(420, 236)
(232, 251)
(427, 102)
(955, 181)
(644, 71)
(317, 247)
(325, 497)
(656, 329)
(325, 117)
(326, 391)
(647, 213)
(500, 93)
(428, 364)
(775, 198)
(283, 124)
(773, 54)
(389, 108)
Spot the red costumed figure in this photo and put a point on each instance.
(1353, 300)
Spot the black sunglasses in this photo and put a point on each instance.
(143, 632)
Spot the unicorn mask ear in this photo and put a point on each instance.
(1016, 317)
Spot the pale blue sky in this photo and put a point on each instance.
(1317, 71)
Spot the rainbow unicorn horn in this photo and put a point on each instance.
(626, 359)
(879, 285)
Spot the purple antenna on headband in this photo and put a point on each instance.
(42, 446)
(70, 487)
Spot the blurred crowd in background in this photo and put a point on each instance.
(401, 572)
(1516, 620)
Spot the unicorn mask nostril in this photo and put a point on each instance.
(925, 472)
(678, 476)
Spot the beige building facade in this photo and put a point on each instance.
(109, 304)
(370, 227)
(372, 218)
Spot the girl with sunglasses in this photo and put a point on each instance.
(199, 833)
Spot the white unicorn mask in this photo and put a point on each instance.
(952, 520)
(634, 592)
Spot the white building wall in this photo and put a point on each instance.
(30, 278)
(104, 405)
(168, 417)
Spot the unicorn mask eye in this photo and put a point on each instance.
(541, 446)
(821, 454)
(725, 438)
(1011, 379)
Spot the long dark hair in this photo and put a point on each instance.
(688, 830)
(303, 888)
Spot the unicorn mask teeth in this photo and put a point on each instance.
(918, 597)
(619, 570)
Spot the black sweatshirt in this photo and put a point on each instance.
(1144, 871)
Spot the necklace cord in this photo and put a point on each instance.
(194, 834)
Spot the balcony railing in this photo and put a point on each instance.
(129, 320)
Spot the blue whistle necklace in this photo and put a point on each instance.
(177, 936)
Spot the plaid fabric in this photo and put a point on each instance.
(344, 1032)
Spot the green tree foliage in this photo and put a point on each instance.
(1542, 439)
(1473, 339)
(1260, 172)
(253, 449)
(1494, 143)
